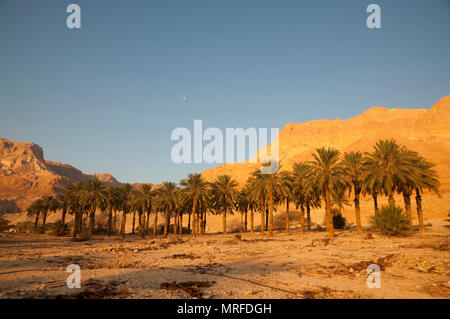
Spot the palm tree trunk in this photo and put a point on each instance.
(266, 227)
(329, 218)
(181, 225)
(302, 218)
(91, 222)
(189, 221)
(224, 221)
(147, 223)
(75, 224)
(242, 222)
(175, 224)
(245, 220)
(122, 224)
(44, 219)
(36, 222)
(263, 211)
(357, 213)
(193, 216)
(197, 223)
(407, 201)
(166, 224)
(375, 201)
(204, 223)
(271, 213)
(308, 216)
(134, 219)
(63, 220)
(252, 217)
(287, 216)
(80, 222)
(155, 225)
(419, 209)
(110, 216)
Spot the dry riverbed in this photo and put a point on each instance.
(216, 266)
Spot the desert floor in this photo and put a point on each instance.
(311, 265)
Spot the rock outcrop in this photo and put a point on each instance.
(25, 175)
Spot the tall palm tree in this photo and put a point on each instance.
(252, 204)
(269, 185)
(63, 201)
(389, 164)
(354, 166)
(124, 202)
(326, 171)
(165, 202)
(224, 194)
(47, 204)
(242, 206)
(427, 179)
(35, 209)
(141, 200)
(75, 192)
(111, 202)
(94, 196)
(301, 173)
(258, 195)
(195, 187)
(287, 193)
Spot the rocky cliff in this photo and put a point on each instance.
(25, 175)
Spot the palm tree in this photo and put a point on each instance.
(301, 173)
(47, 203)
(242, 206)
(224, 194)
(287, 194)
(94, 196)
(124, 202)
(326, 171)
(252, 204)
(75, 191)
(141, 200)
(427, 179)
(63, 201)
(35, 209)
(111, 202)
(195, 187)
(268, 186)
(354, 170)
(388, 165)
(165, 202)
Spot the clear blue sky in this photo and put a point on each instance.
(106, 98)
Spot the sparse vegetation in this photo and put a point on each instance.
(391, 220)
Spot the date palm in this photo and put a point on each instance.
(195, 187)
(326, 172)
(35, 209)
(63, 201)
(268, 186)
(74, 192)
(141, 200)
(427, 179)
(301, 173)
(354, 166)
(223, 195)
(164, 201)
(94, 196)
(388, 165)
(124, 203)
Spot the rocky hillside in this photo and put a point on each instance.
(426, 131)
(26, 175)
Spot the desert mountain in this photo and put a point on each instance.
(426, 131)
(25, 175)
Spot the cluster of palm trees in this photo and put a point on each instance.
(327, 179)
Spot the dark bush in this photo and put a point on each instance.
(338, 220)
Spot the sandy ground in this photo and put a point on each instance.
(284, 266)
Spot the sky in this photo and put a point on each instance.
(106, 97)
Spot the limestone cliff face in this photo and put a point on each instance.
(26, 175)
(426, 131)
